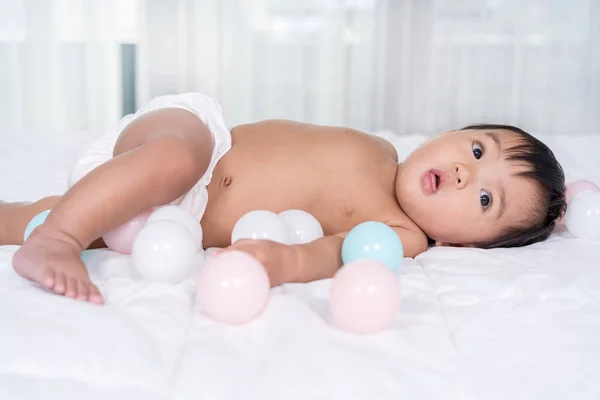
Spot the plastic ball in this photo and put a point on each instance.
(583, 215)
(577, 187)
(36, 221)
(183, 218)
(302, 226)
(364, 297)
(260, 224)
(164, 251)
(121, 238)
(373, 241)
(233, 287)
(211, 252)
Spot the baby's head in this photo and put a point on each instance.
(484, 186)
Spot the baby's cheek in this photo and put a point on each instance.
(452, 223)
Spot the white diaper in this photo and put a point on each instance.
(203, 107)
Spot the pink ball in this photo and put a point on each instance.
(121, 238)
(364, 297)
(233, 287)
(577, 187)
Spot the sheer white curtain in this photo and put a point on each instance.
(59, 66)
(314, 60)
(407, 65)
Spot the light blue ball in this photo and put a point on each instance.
(373, 241)
(87, 256)
(35, 222)
(40, 219)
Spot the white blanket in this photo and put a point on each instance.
(474, 324)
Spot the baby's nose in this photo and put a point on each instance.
(462, 174)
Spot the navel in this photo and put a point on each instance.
(226, 181)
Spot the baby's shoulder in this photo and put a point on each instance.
(387, 146)
(369, 145)
(414, 240)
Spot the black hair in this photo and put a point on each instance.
(547, 174)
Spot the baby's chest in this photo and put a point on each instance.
(346, 204)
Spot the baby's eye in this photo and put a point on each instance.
(477, 150)
(485, 198)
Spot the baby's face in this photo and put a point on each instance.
(459, 189)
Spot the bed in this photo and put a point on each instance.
(474, 324)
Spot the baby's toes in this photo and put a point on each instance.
(95, 296)
(59, 282)
(83, 290)
(47, 278)
(71, 287)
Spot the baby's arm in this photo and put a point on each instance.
(322, 258)
(319, 259)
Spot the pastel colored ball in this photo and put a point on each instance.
(260, 224)
(211, 252)
(302, 226)
(36, 221)
(233, 287)
(183, 218)
(364, 297)
(121, 238)
(583, 215)
(373, 241)
(577, 187)
(164, 251)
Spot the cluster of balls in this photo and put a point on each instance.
(164, 243)
(365, 294)
(233, 287)
(583, 210)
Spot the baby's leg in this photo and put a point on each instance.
(14, 218)
(159, 157)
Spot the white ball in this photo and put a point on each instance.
(583, 215)
(183, 218)
(164, 251)
(302, 226)
(260, 224)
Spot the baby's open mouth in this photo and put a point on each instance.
(432, 181)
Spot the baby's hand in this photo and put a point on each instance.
(279, 260)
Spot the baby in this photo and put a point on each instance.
(482, 186)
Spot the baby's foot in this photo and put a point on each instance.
(54, 262)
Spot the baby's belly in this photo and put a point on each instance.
(232, 196)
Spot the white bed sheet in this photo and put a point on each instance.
(498, 324)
